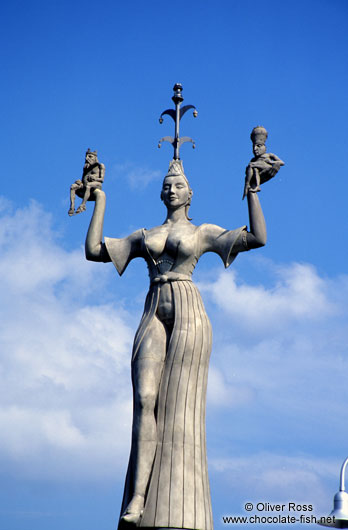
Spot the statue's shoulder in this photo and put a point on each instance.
(213, 235)
(134, 237)
(155, 230)
(207, 234)
(209, 229)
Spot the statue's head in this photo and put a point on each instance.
(91, 157)
(176, 191)
(258, 137)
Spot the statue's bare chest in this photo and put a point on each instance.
(91, 172)
(171, 241)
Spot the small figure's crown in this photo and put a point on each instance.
(176, 169)
(89, 152)
(259, 135)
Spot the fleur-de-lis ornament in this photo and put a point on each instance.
(177, 114)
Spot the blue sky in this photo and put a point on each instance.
(81, 74)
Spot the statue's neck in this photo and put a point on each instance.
(176, 216)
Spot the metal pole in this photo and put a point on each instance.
(178, 99)
(343, 469)
(177, 125)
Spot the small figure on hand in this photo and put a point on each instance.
(263, 166)
(92, 179)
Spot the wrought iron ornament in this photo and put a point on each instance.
(177, 114)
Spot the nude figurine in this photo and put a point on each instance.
(263, 166)
(92, 179)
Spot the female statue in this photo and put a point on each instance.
(167, 482)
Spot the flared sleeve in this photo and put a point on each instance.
(225, 243)
(122, 251)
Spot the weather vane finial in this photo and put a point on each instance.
(177, 114)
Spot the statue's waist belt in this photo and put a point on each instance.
(171, 276)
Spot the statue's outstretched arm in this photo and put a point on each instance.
(276, 158)
(94, 247)
(257, 236)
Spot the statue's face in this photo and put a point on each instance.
(175, 192)
(259, 149)
(90, 159)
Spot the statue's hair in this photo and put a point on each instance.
(188, 204)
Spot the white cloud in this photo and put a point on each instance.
(278, 479)
(65, 364)
(288, 340)
(222, 393)
(298, 294)
(137, 176)
(278, 383)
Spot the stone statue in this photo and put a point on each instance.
(263, 166)
(92, 179)
(167, 480)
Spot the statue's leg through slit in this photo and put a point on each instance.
(146, 376)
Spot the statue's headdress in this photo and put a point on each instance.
(89, 152)
(176, 169)
(259, 135)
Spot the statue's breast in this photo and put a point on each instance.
(155, 242)
(178, 245)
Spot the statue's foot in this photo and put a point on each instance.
(81, 208)
(71, 212)
(134, 510)
(254, 190)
